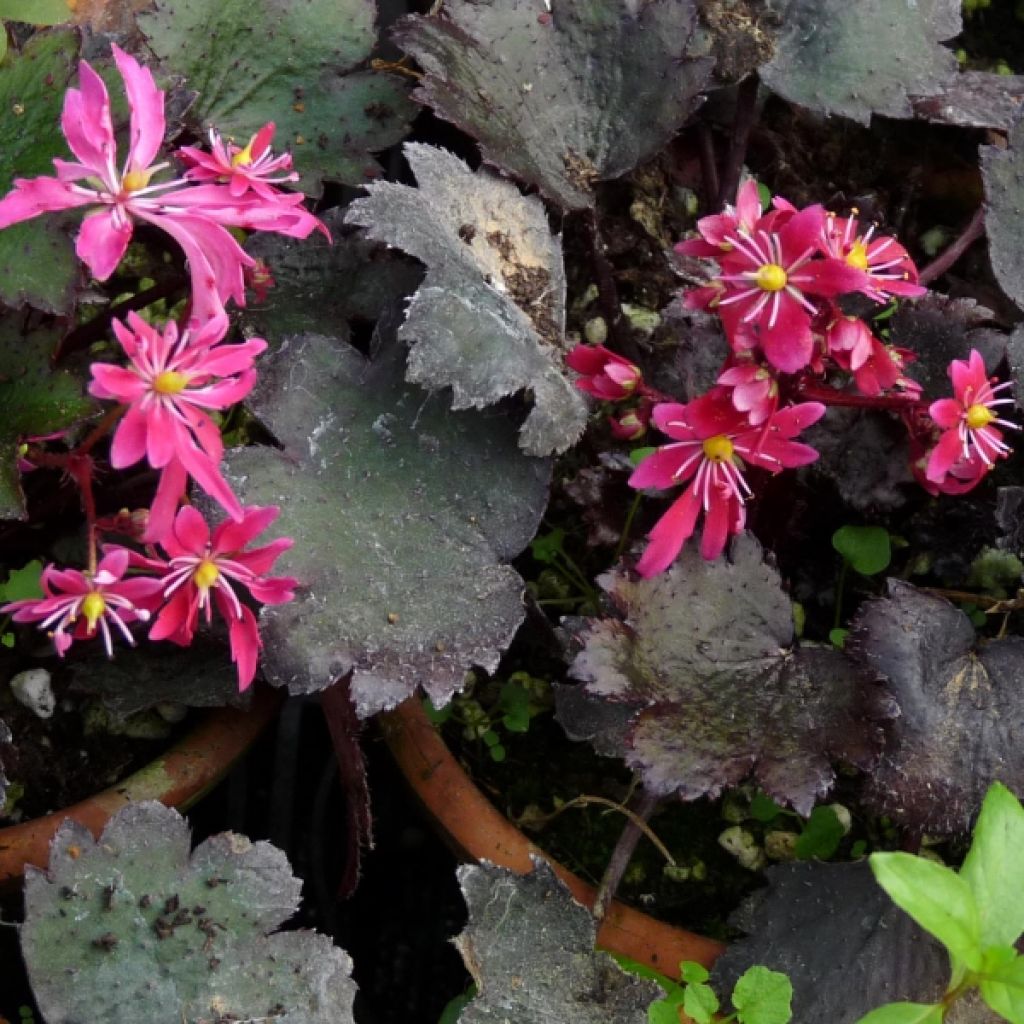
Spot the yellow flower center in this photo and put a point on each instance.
(93, 607)
(206, 574)
(134, 180)
(169, 382)
(979, 416)
(857, 257)
(718, 448)
(771, 277)
(244, 156)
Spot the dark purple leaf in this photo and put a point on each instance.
(707, 651)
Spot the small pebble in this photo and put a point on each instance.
(32, 688)
(741, 844)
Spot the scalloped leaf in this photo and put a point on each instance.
(865, 58)
(1002, 171)
(298, 65)
(401, 512)
(975, 99)
(37, 261)
(961, 715)
(551, 91)
(35, 400)
(320, 286)
(706, 650)
(530, 949)
(151, 934)
(845, 945)
(489, 318)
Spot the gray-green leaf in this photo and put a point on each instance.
(488, 320)
(552, 91)
(402, 513)
(298, 65)
(1002, 172)
(863, 58)
(151, 934)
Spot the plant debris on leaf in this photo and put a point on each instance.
(37, 259)
(488, 320)
(298, 65)
(960, 709)
(530, 949)
(35, 400)
(149, 933)
(553, 96)
(707, 651)
(401, 513)
(845, 945)
(319, 286)
(863, 58)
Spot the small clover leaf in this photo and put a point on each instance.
(700, 1002)
(866, 548)
(763, 996)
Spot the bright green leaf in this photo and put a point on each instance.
(866, 548)
(665, 1011)
(837, 638)
(764, 809)
(35, 12)
(23, 583)
(763, 996)
(937, 898)
(820, 836)
(764, 193)
(693, 973)
(637, 455)
(514, 701)
(1003, 986)
(905, 1013)
(994, 867)
(700, 1003)
(546, 547)
(450, 1014)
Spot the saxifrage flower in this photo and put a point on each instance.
(79, 605)
(204, 570)
(713, 440)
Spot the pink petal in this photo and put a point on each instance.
(831, 277)
(33, 196)
(800, 233)
(748, 203)
(204, 471)
(178, 618)
(231, 537)
(129, 444)
(165, 435)
(667, 413)
(279, 590)
(659, 469)
(86, 124)
(717, 521)
(669, 534)
(794, 418)
(191, 531)
(947, 412)
(147, 109)
(789, 345)
(169, 493)
(943, 456)
(115, 383)
(713, 413)
(261, 560)
(228, 359)
(245, 647)
(102, 241)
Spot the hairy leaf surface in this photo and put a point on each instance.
(150, 933)
(1002, 171)
(401, 512)
(488, 320)
(530, 948)
(706, 652)
(553, 96)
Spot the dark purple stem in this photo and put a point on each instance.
(970, 234)
(607, 290)
(643, 806)
(708, 165)
(746, 115)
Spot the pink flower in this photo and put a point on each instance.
(967, 421)
(715, 230)
(196, 217)
(754, 388)
(632, 424)
(887, 264)
(711, 439)
(769, 276)
(77, 605)
(241, 168)
(603, 373)
(204, 571)
(170, 383)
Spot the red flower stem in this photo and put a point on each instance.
(743, 123)
(971, 233)
(100, 430)
(828, 396)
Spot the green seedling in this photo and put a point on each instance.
(977, 913)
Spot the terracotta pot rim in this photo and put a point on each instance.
(177, 778)
(481, 832)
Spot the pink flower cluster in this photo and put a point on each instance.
(174, 377)
(780, 272)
